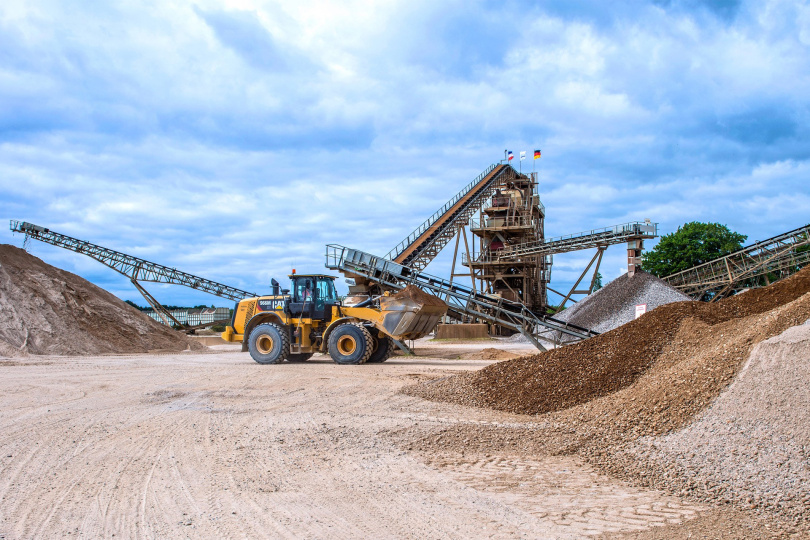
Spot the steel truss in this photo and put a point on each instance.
(464, 300)
(136, 269)
(778, 257)
(425, 243)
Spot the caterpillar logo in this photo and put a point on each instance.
(270, 305)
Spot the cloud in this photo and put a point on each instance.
(234, 139)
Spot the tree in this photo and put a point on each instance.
(692, 244)
(597, 282)
(133, 304)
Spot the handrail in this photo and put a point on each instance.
(571, 242)
(394, 253)
(460, 298)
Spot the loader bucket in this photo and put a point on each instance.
(411, 313)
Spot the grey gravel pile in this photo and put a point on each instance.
(752, 446)
(615, 304)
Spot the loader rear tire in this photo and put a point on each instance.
(299, 357)
(350, 343)
(383, 351)
(269, 343)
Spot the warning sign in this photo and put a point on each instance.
(641, 309)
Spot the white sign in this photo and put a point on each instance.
(641, 309)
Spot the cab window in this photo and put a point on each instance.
(326, 291)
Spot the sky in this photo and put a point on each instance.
(235, 139)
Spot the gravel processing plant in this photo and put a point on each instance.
(686, 419)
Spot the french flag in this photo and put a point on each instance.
(509, 156)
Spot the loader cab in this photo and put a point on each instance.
(312, 296)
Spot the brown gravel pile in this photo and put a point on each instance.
(490, 353)
(411, 292)
(694, 348)
(45, 310)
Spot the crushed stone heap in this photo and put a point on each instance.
(751, 445)
(615, 303)
(658, 371)
(630, 401)
(45, 310)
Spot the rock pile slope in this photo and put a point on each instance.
(655, 372)
(45, 310)
(751, 446)
(615, 303)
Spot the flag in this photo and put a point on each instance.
(510, 156)
(537, 154)
(522, 156)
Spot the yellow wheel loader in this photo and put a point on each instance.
(294, 325)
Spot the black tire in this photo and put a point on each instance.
(383, 350)
(350, 343)
(299, 357)
(269, 343)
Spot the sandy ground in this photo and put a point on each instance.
(213, 445)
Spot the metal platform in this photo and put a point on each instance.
(512, 315)
(774, 258)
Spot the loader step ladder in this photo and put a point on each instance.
(779, 256)
(496, 310)
(423, 244)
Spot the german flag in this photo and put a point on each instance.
(537, 154)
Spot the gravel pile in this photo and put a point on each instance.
(45, 310)
(752, 446)
(695, 349)
(647, 378)
(615, 304)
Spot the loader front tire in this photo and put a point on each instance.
(382, 352)
(269, 343)
(350, 343)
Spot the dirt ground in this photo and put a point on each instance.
(213, 445)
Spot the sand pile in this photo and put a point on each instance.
(615, 304)
(654, 373)
(45, 310)
(490, 353)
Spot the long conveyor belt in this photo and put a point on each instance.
(135, 268)
(512, 315)
(607, 236)
(423, 244)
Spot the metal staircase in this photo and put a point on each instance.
(496, 310)
(777, 257)
(423, 244)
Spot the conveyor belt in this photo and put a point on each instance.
(776, 257)
(132, 267)
(608, 236)
(512, 315)
(423, 244)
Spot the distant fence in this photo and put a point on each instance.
(193, 317)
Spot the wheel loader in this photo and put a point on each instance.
(294, 325)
